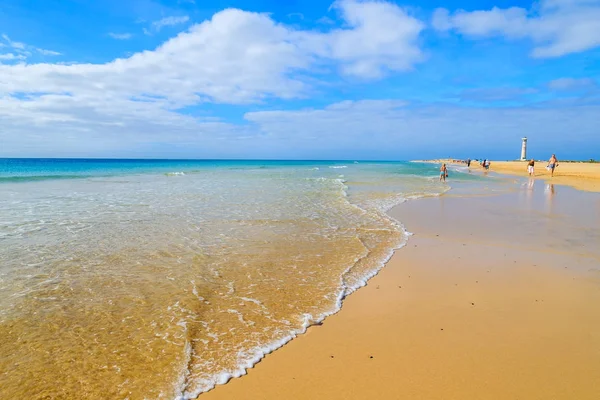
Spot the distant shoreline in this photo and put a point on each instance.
(582, 175)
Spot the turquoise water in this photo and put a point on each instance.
(42, 169)
(35, 169)
(148, 279)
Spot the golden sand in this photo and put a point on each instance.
(583, 176)
(493, 298)
(580, 175)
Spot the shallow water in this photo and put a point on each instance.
(160, 279)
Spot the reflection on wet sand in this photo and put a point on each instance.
(549, 192)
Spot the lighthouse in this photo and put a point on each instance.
(524, 149)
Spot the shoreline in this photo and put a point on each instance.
(582, 175)
(347, 291)
(288, 371)
(220, 325)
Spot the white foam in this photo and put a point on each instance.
(338, 166)
(248, 359)
(257, 302)
(175, 174)
(180, 383)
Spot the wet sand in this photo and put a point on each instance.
(494, 297)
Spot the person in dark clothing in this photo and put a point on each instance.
(530, 166)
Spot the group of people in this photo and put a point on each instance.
(552, 164)
(485, 164)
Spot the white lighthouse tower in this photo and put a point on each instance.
(524, 149)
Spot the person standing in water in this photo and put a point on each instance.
(530, 167)
(552, 163)
(443, 173)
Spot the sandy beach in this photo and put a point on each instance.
(583, 176)
(580, 175)
(494, 297)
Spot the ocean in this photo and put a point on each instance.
(159, 279)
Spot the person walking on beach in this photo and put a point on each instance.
(530, 166)
(468, 162)
(552, 163)
(443, 173)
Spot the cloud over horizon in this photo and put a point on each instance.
(237, 85)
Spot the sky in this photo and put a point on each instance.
(272, 79)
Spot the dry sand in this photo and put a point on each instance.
(494, 297)
(583, 176)
(580, 175)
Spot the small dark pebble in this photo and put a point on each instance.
(442, 329)
(476, 281)
(437, 235)
(377, 287)
(472, 304)
(331, 356)
(399, 287)
(370, 356)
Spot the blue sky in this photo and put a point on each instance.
(348, 79)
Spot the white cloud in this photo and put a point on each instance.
(556, 27)
(23, 50)
(13, 44)
(169, 21)
(372, 128)
(236, 57)
(572, 84)
(11, 56)
(392, 129)
(382, 37)
(48, 52)
(120, 36)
